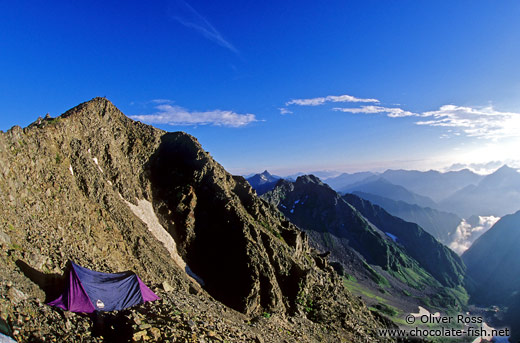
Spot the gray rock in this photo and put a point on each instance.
(167, 287)
(16, 296)
(4, 238)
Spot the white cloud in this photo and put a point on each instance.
(284, 110)
(182, 12)
(481, 122)
(392, 112)
(176, 115)
(161, 101)
(466, 234)
(330, 98)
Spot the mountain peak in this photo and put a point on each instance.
(505, 169)
(501, 175)
(263, 182)
(97, 107)
(305, 179)
(382, 180)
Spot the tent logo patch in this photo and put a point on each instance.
(100, 304)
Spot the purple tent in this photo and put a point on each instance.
(89, 291)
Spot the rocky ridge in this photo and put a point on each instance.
(107, 192)
(393, 258)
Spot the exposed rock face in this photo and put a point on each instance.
(225, 233)
(105, 191)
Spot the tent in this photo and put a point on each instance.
(88, 291)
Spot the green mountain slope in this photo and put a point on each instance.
(436, 258)
(355, 239)
(441, 225)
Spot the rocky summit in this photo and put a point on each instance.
(113, 194)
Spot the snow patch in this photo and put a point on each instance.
(425, 312)
(394, 237)
(97, 163)
(71, 170)
(144, 210)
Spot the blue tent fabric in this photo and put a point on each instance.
(110, 292)
(89, 291)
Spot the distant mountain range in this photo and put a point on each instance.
(344, 180)
(322, 174)
(406, 194)
(496, 194)
(432, 184)
(380, 186)
(376, 249)
(462, 192)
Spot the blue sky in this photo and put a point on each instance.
(283, 85)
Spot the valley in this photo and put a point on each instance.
(396, 287)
